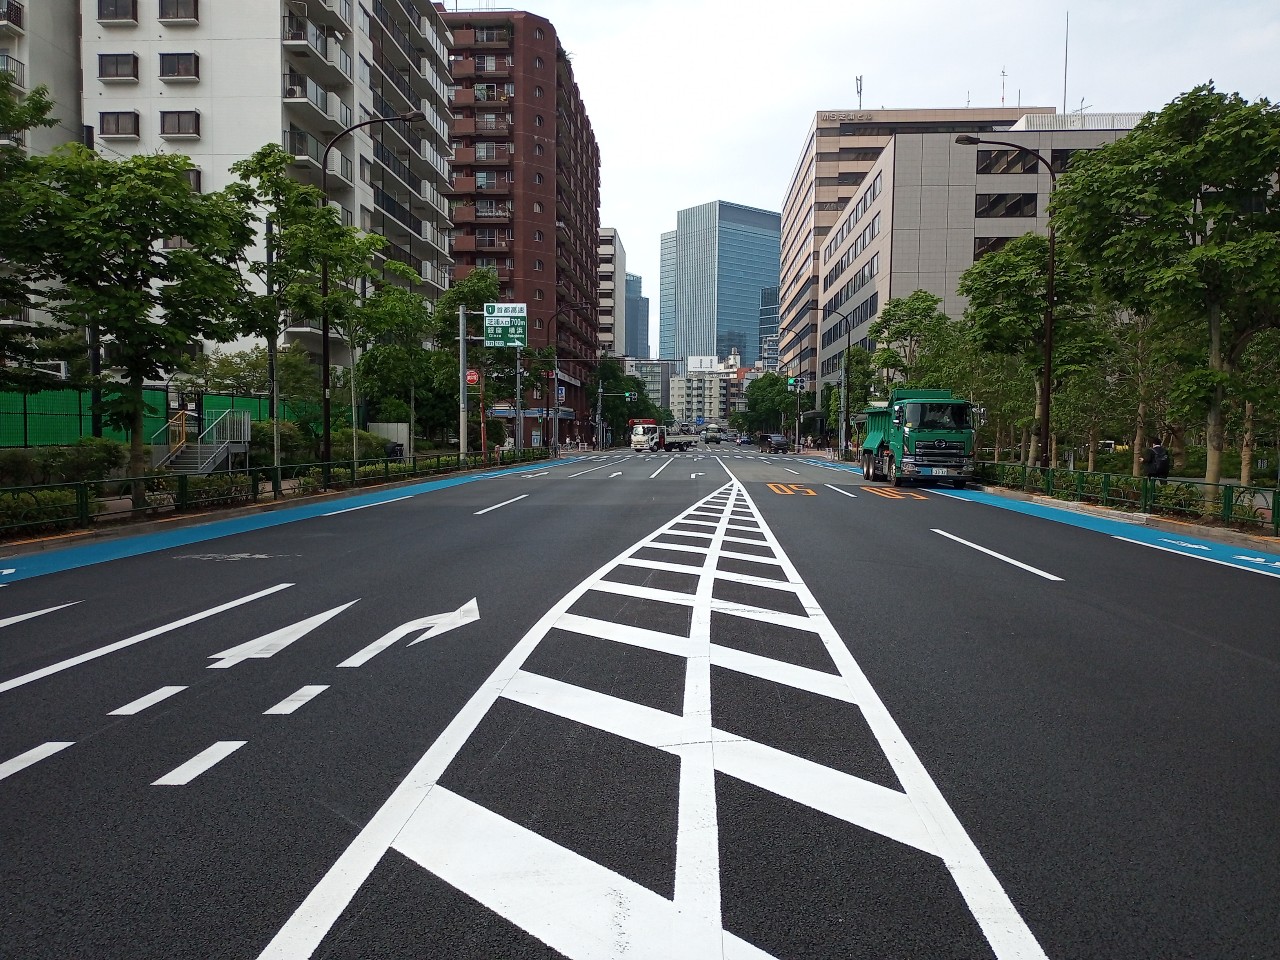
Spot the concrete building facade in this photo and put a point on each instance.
(929, 208)
(525, 190)
(713, 266)
(613, 301)
(40, 45)
(637, 333)
(840, 149)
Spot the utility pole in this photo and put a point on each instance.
(462, 382)
(519, 406)
(599, 422)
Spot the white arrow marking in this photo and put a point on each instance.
(1181, 543)
(5, 573)
(692, 475)
(438, 623)
(27, 616)
(531, 475)
(617, 474)
(1261, 561)
(272, 643)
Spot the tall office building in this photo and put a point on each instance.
(526, 189)
(40, 45)
(637, 334)
(840, 149)
(713, 267)
(216, 81)
(769, 329)
(613, 306)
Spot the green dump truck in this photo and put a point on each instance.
(920, 435)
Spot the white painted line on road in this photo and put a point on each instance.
(202, 761)
(838, 490)
(150, 700)
(9, 621)
(593, 469)
(137, 638)
(366, 506)
(616, 473)
(999, 556)
(296, 699)
(34, 755)
(502, 504)
(270, 644)
(789, 470)
(529, 476)
(1196, 556)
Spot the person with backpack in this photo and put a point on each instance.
(1157, 461)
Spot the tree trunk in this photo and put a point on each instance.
(996, 436)
(1213, 422)
(1053, 451)
(137, 452)
(1246, 446)
(1034, 456)
(1139, 437)
(1178, 447)
(1024, 446)
(1093, 448)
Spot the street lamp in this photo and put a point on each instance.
(1045, 388)
(326, 449)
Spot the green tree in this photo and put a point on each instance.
(859, 376)
(396, 365)
(615, 407)
(137, 255)
(905, 328)
(1178, 220)
(496, 364)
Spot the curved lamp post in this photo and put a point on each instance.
(326, 448)
(1045, 388)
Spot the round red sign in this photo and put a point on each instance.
(473, 377)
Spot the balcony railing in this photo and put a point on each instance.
(396, 166)
(11, 12)
(16, 68)
(299, 143)
(393, 251)
(397, 210)
(397, 34)
(397, 79)
(297, 86)
(298, 30)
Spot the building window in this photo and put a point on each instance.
(537, 234)
(538, 34)
(537, 294)
(985, 245)
(175, 243)
(179, 66)
(486, 179)
(180, 10)
(537, 178)
(537, 62)
(193, 178)
(537, 119)
(486, 150)
(118, 124)
(1006, 161)
(989, 205)
(180, 123)
(537, 207)
(117, 66)
(537, 91)
(1059, 159)
(537, 149)
(537, 264)
(118, 11)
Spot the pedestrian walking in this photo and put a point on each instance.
(1155, 462)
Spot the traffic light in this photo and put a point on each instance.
(631, 394)
(791, 381)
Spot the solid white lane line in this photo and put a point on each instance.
(150, 700)
(9, 621)
(294, 700)
(532, 475)
(999, 556)
(502, 504)
(1196, 556)
(137, 638)
(665, 464)
(838, 490)
(593, 469)
(34, 755)
(270, 644)
(366, 506)
(789, 470)
(182, 775)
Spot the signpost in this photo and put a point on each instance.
(507, 325)
(473, 377)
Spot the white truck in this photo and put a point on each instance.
(649, 436)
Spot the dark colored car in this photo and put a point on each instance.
(774, 443)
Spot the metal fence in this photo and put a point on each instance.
(1221, 503)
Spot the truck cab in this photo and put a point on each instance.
(920, 435)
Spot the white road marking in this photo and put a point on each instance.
(366, 506)
(502, 504)
(34, 755)
(434, 625)
(9, 621)
(270, 644)
(137, 638)
(999, 556)
(531, 475)
(1176, 543)
(616, 473)
(181, 775)
(150, 700)
(1196, 556)
(593, 469)
(296, 699)
(838, 490)
(789, 470)
(694, 476)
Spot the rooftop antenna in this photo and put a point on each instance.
(966, 99)
(1002, 76)
(859, 82)
(1066, 46)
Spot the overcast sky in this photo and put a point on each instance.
(701, 100)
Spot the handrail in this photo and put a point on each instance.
(231, 427)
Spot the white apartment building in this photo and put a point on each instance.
(613, 297)
(39, 46)
(218, 79)
(929, 207)
(709, 392)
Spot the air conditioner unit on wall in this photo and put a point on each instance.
(292, 93)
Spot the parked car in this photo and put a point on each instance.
(774, 443)
(745, 441)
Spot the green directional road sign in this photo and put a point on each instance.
(506, 325)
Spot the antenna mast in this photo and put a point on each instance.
(1002, 76)
(859, 82)
(1066, 46)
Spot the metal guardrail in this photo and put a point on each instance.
(51, 508)
(1227, 504)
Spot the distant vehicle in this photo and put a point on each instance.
(650, 436)
(920, 435)
(712, 434)
(744, 441)
(774, 443)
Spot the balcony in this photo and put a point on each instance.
(494, 127)
(498, 157)
(12, 19)
(393, 251)
(462, 69)
(299, 89)
(398, 79)
(397, 211)
(462, 185)
(16, 69)
(303, 38)
(493, 188)
(335, 13)
(303, 147)
(340, 167)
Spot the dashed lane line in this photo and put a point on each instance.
(10, 621)
(838, 490)
(183, 774)
(142, 703)
(503, 503)
(34, 755)
(999, 556)
(297, 699)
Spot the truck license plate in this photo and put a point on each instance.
(939, 471)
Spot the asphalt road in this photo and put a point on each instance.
(669, 706)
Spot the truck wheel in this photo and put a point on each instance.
(888, 472)
(868, 472)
